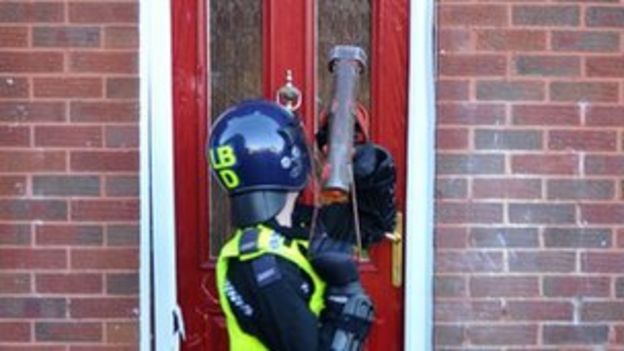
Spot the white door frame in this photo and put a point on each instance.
(158, 299)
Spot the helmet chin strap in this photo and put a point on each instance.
(284, 217)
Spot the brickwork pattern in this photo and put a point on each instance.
(530, 138)
(69, 158)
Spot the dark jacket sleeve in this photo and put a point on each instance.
(281, 318)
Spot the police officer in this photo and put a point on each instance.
(279, 292)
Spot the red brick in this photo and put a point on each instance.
(66, 36)
(585, 41)
(31, 12)
(602, 311)
(104, 112)
(98, 347)
(511, 40)
(510, 90)
(68, 87)
(471, 114)
(11, 87)
(468, 212)
(545, 164)
(68, 136)
(32, 259)
(449, 286)
(549, 16)
(588, 91)
(581, 189)
(604, 165)
(122, 88)
(468, 311)
(13, 36)
(104, 258)
(449, 139)
(453, 40)
(577, 238)
(32, 347)
(122, 186)
(448, 335)
(602, 262)
(18, 209)
(497, 139)
(14, 136)
(32, 111)
(104, 62)
(122, 332)
(104, 308)
(31, 307)
(502, 335)
(68, 331)
(447, 89)
(473, 15)
(605, 116)
(542, 261)
(548, 66)
(603, 16)
(472, 65)
(108, 161)
(568, 286)
(540, 311)
(122, 136)
(105, 210)
(12, 185)
(69, 235)
(105, 12)
(31, 62)
(619, 287)
(450, 237)
(492, 188)
(122, 235)
(619, 334)
(468, 262)
(582, 140)
(14, 332)
(14, 283)
(575, 334)
(602, 213)
(14, 234)
(497, 286)
(546, 213)
(122, 284)
(608, 67)
(66, 185)
(452, 188)
(503, 237)
(122, 37)
(545, 115)
(73, 283)
(470, 164)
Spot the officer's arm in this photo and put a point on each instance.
(283, 321)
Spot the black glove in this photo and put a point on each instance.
(332, 260)
(375, 180)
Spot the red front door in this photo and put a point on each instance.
(225, 51)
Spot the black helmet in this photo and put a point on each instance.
(258, 153)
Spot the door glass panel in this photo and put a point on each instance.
(345, 22)
(235, 75)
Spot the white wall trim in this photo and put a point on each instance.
(420, 179)
(158, 299)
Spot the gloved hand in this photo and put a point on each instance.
(375, 178)
(332, 259)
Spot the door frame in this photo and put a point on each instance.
(158, 300)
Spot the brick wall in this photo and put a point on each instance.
(530, 223)
(68, 175)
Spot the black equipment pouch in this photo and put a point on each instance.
(346, 319)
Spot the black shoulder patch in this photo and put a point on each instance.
(266, 270)
(249, 241)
